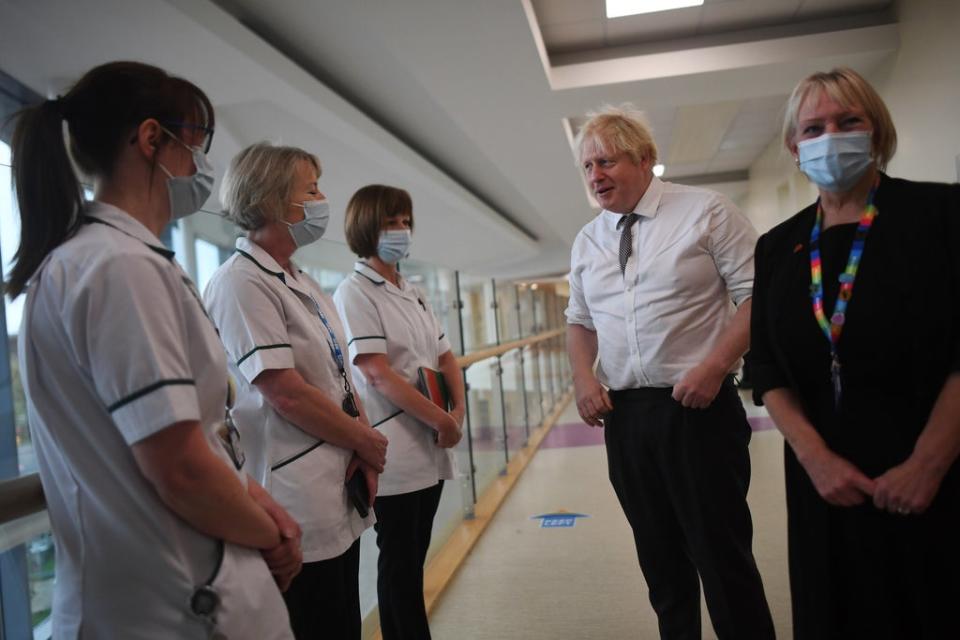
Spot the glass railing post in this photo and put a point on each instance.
(468, 509)
(503, 415)
(536, 353)
(523, 372)
(503, 400)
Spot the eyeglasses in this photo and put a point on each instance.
(208, 139)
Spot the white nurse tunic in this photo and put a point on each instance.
(397, 322)
(269, 320)
(114, 347)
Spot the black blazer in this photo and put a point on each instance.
(915, 247)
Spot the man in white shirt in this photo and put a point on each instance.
(660, 287)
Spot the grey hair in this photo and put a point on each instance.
(258, 183)
(613, 130)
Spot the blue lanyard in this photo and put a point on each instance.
(349, 404)
(334, 345)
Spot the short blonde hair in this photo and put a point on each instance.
(367, 212)
(259, 181)
(613, 130)
(848, 88)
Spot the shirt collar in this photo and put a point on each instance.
(371, 274)
(647, 207)
(259, 256)
(125, 223)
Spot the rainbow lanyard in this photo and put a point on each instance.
(833, 328)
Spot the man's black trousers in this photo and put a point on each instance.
(681, 476)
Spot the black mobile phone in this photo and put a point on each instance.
(358, 493)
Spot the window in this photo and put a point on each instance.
(208, 259)
(26, 579)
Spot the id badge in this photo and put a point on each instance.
(349, 406)
(230, 439)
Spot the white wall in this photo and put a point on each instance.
(920, 85)
(922, 90)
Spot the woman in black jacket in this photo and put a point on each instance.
(855, 351)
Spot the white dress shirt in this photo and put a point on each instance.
(399, 323)
(270, 320)
(115, 347)
(692, 260)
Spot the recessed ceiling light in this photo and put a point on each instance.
(658, 170)
(620, 8)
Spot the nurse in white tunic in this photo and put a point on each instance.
(304, 429)
(158, 531)
(393, 332)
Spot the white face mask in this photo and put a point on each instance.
(316, 215)
(394, 245)
(836, 161)
(188, 193)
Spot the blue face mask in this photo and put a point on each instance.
(394, 245)
(316, 215)
(836, 161)
(188, 193)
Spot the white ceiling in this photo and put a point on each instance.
(577, 25)
(466, 104)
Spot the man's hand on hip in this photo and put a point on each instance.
(699, 386)
(593, 401)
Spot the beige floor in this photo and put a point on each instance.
(522, 581)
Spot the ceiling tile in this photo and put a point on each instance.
(817, 8)
(688, 169)
(573, 36)
(719, 165)
(566, 11)
(652, 27)
(699, 129)
(763, 104)
(744, 14)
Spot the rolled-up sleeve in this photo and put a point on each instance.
(732, 241)
(251, 322)
(361, 319)
(577, 311)
(765, 372)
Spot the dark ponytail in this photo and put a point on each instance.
(102, 112)
(48, 193)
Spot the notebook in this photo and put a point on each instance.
(433, 385)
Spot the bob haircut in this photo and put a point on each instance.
(367, 213)
(257, 186)
(614, 130)
(848, 88)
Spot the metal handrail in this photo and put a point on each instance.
(23, 496)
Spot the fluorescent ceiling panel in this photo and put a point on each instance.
(620, 8)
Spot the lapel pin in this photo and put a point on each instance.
(798, 248)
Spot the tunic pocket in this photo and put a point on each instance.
(310, 485)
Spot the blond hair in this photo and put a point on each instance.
(614, 130)
(257, 185)
(848, 88)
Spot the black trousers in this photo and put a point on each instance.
(324, 598)
(681, 476)
(404, 524)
